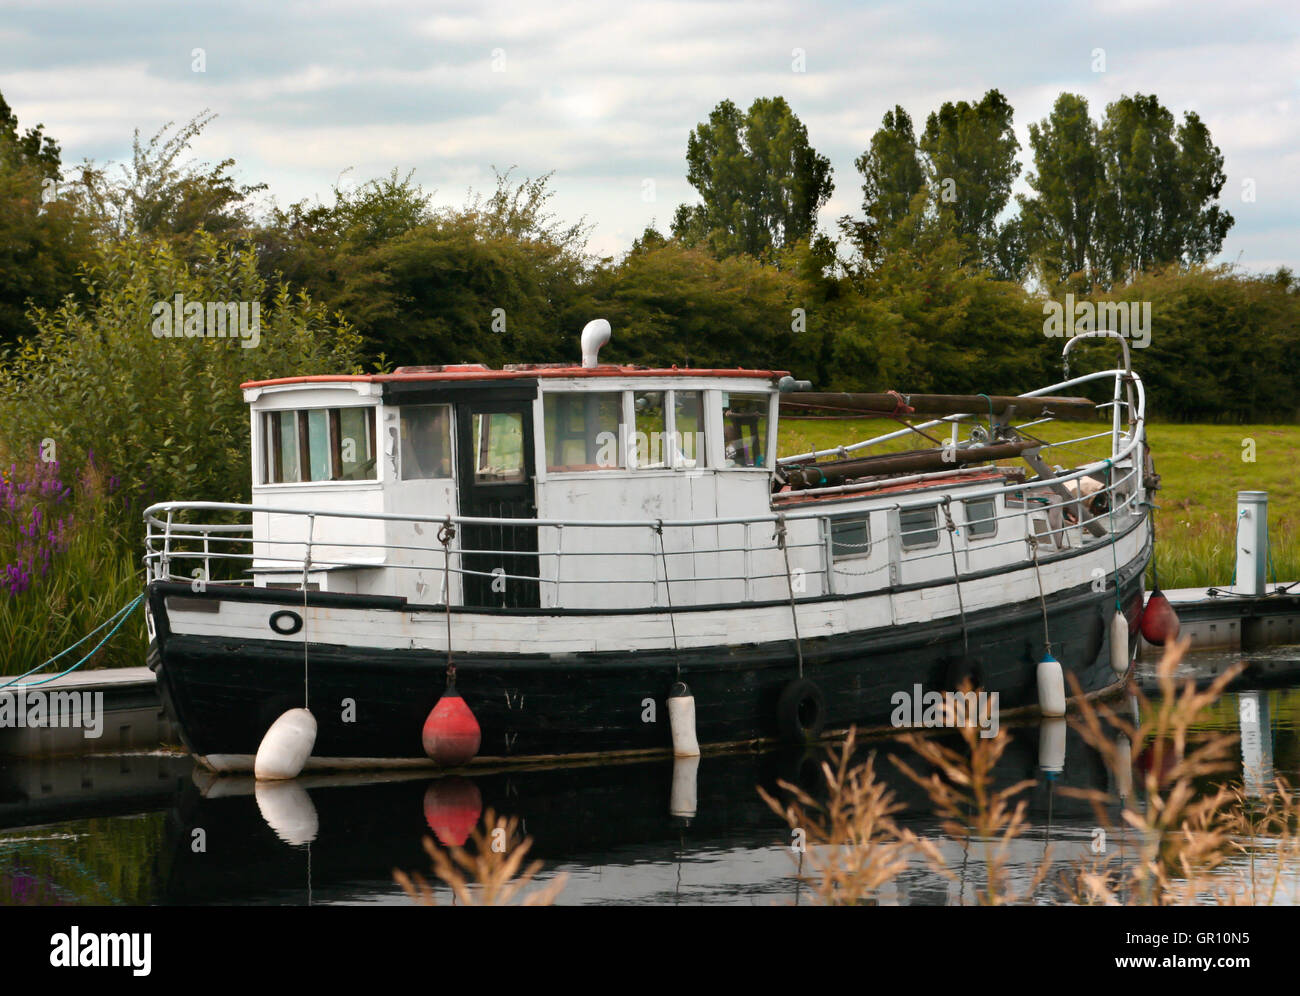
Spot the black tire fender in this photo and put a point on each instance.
(801, 712)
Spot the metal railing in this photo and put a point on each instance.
(684, 559)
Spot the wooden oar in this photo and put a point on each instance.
(891, 404)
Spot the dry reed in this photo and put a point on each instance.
(491, 873)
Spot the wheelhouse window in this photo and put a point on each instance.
(352, 432)
(319, 444)
(850, 537)
(744, 429)
(426, 442)
(583, 430)
(281, 447)
(651, 430)
(688, 429)
(981, 518)
(662, 442)
(919, 527)
(498, 447)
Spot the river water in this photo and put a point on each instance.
(147, 829)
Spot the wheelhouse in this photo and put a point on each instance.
(528, 442)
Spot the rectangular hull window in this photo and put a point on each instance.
(919, 527)
(850, 538)
(981, 518)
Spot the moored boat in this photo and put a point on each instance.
(578, 539)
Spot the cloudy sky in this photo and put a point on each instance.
(605, 94)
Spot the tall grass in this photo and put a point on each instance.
(1200, 839)
(66, 567)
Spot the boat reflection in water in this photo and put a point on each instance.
(692, 830)
(148, 829)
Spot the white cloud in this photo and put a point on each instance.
(606, 95)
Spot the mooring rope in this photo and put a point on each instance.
(956, 572)
(306, 566)
(1114, 553)
(119, 617)
(447, 533)
(1042, 599)
(668, 592)
(789, 580)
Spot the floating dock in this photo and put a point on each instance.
(115, 709)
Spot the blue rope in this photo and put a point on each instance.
(121, 615)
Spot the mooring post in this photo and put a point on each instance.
(1252, 541)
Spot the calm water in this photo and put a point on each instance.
(148, 829)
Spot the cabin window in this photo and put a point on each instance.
(319, 444)
(919, 527)
(654, 446)
(426, 442)
(651, 429)
(744, 428)
(281, 447)
(583, 430)
(316, 443)
(981, 518)
(353, 434)
(688, 428)
(850, 537)
(498, 447)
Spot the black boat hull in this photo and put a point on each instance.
(370, 704)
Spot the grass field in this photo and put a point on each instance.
(1202, 467)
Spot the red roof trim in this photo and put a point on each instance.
(544, 372)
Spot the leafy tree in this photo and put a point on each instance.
(43, 239)
(316, 246)
(1224, 345)
(673, 304)
(163, 194)
(165, 414)
(970, 153)
(760, 181)
(1132, 194)
(483, 283)
(1060, 220)
(30, 148)
(1160, 183)
(892, 174)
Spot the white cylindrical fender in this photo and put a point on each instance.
(682, 801)
(1051, 686)
(288, 811)
(1123, 767)
(287, 745)
(681, 719)
(1119, 643)
(1051, 745)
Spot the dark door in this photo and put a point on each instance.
(496, 472)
